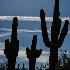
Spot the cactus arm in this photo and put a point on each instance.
(44, 29)
(63, 34)
(6, 46)
(6, 43)
(38, 52)
(28, 52)
(45, 36)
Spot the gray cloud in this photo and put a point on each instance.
(19, 30)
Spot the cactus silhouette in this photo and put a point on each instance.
(18, 66)
(33, 53)
(12, 48)
(57, 37)
(23, 67)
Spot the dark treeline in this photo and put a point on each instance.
(12, 47)
(63, 63)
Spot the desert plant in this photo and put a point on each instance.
(12, 48)
(33, 53)
(57, 38)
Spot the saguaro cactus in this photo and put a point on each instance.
(57, 38)
(12, 48)
(33, 53)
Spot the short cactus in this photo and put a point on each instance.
(33, 53)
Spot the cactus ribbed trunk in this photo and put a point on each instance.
(53, 57)
(11, 65)
(31, 65)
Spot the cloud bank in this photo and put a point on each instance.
(9, 30)
(31, 18)
(22, 54)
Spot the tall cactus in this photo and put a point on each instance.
(57, 38)
(12, 48)
(33, 53)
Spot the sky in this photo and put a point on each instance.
(9, 8)
(32, 7)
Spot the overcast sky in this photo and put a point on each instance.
(32, 7)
